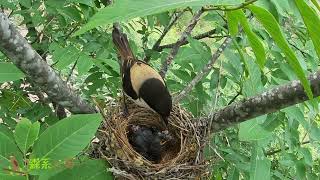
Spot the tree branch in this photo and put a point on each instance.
(267, 102)
(175, 49)
(197, 37)
(205, 70)
(229, 8)
(270, 153)
(156, 45)
(17, 49)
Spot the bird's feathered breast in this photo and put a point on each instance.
(141, 72)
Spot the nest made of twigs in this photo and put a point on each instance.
(182, 159)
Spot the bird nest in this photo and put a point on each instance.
(182, 158)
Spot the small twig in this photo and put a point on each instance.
(235, 97)
(42, 32)
(270, 153)
(175, 49)
(72, 69)
(156, 45)
(205, 70)
(297, 48)
(197, 37)
(231, 7)
(71, 32)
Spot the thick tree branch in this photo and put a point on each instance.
(205, 70)
(17, 49)
(267, 102)
(175, 48)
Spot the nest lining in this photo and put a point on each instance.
(181, 159)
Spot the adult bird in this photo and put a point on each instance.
(141, 82)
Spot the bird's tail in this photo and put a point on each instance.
(120, 40)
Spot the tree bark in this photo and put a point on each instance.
(267, 102)
(17, 49)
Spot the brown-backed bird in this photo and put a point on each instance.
(140, 81)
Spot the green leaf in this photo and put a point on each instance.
(9, 72)
(25, 3)
(8, 148)
(84, 64)
(271, 25)
(66, 138)
(312, 21)
(273, 121)
(315, 133)
(86, 171)
(300, 170)
(63, 56)
(297, 114)
(26, 133)
(252, 85)
(6, 131)
(260, 165)
(8, 176)
(123, 10)
(233, 22)
(234, 174)
(86, 2)
(183, 75)
(252, 130)
(55, 3)
(316, 4)
(256, 43)
(306, 156)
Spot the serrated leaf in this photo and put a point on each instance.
(123, 10)
(85, 171)
(26, 133)
(273, 28)
(66, 138)
(312, 21)
(260, 165)
(9, 72)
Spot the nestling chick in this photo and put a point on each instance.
(141, 82)
(149, 142)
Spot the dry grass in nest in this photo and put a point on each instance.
(183, 159)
